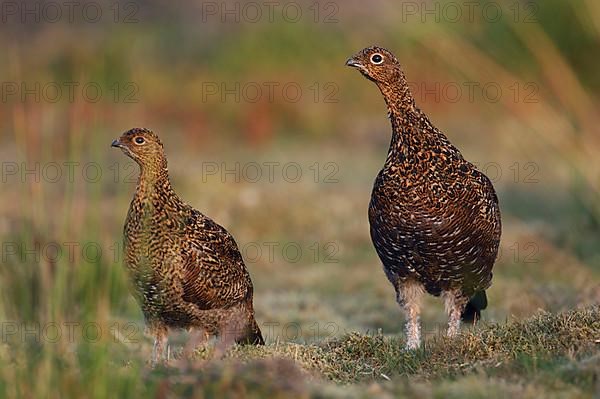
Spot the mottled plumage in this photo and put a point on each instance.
(186, 270)
(434, 218)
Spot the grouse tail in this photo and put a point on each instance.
(472, 312)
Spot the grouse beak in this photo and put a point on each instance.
(351, 62)
(116, 143)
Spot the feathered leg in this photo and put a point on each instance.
(408, 295)
(160, 334)
(235, 324)
(454, 303)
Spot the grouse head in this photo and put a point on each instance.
(382, 67)
(143, 146)
(377, 64)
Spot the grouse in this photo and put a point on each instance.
(186, 270)
(434, 218)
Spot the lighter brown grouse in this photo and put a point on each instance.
(186, 270)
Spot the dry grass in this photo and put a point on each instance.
(545, 355)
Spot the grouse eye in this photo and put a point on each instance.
(376, 59)
(139, 140)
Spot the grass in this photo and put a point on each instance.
(547, 355)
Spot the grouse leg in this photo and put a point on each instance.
(235, 324)
(455, 303)
(408, 295)
(160, 334)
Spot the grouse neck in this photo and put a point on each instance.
(398, 97)
(405, 118)
(154, 180)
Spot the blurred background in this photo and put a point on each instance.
(269, 134)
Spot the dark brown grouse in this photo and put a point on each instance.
(434, 218)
